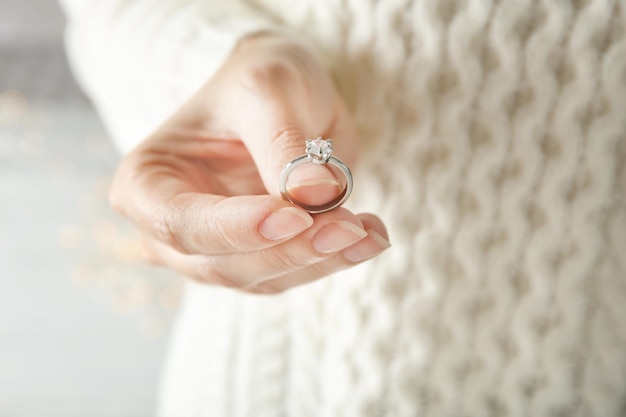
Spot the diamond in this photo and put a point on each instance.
(319, 150)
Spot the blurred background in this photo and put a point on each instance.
(82, 323)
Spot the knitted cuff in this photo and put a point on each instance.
(140, 60)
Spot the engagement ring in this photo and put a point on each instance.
(318, 151)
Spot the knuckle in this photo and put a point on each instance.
(320, 270)
(271, 72)
(164, 230)
(327, 267)
(282, 259)
(226, 237)
(287, 138)
(286, 141)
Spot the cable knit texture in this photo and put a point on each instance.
(495, 150)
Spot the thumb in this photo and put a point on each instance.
(309, 184)
(275, 136)
(288, 98)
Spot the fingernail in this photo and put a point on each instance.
(336, 236)
(368, 249)
(312, 174)
(316, 194)
(319, 181)
(284, 223)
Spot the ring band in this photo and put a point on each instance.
(318, 151)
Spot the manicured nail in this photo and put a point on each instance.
(336, 236)
(368, 249)
(318, 181)
(285, 222)
(315, 194)
(312, 174)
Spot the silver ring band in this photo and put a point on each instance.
(322, 156)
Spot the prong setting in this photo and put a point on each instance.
(319, 150)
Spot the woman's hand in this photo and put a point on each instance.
(204, 187)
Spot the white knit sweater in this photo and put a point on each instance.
(495, 137)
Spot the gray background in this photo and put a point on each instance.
(82, 324)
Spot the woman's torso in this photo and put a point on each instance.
(493, 146)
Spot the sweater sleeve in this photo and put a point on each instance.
(138, 60)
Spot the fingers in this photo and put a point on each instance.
(331, 233)
(369, 247)
(340, 237)
(376, 242)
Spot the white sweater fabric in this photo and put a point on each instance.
(494, 147)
